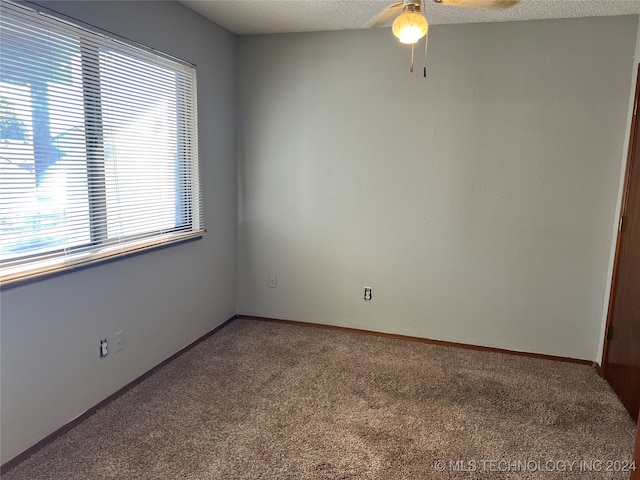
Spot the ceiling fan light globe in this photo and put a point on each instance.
(410, 27)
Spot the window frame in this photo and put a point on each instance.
(37, 266)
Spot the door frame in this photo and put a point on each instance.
(623, 205)
(635, 475)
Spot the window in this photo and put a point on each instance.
(98, 146)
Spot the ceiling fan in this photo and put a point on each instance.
(410, 23)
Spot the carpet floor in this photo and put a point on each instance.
(264, 400)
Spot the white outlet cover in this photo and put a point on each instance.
(119, 337)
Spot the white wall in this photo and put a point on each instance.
(162, 300)
(478, 203)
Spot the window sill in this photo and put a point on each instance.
(27, 273)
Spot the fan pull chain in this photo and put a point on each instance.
(426, 43)
(412, 49)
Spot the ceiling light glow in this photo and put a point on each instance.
(410, 27)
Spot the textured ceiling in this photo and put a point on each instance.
(280, 16)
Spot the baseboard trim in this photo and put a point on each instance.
(21, 457)
(423, 340)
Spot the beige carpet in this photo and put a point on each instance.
(272, 401)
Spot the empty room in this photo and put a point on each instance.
(318, 239)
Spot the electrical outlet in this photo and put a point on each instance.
(104, 350)
(119, 336)
(368, 292)
(272, 281)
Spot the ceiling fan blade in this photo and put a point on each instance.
(385, 17)
(479, 3)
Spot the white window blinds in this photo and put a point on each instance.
(98, 146)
